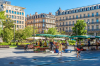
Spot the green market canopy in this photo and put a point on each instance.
(80, 36)
(61, 36)
(45, 35)
(97, 36)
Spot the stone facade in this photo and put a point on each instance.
(65, 19)
(41, 21)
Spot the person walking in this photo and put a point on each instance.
(51, 45)
(88, 44)
(60, 49)
(66, 44)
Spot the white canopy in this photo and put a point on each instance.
(34, 38)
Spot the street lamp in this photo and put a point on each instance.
(14, 33)
(87, 27)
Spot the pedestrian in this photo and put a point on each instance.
(76, 44)
(66, 44)
(51, 45)
(60, 49)
(88, 44)
(36, 43)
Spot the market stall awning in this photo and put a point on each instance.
(62, 36)
(45, 35)
(81, 36)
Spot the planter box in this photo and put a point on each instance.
(43, 49)
(4, 46)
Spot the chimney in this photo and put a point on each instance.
(27, 15)
(36, 13)
(50, 13)
(30, 14)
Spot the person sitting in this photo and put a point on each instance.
(45, 44)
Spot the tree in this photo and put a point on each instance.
(8, 30)
(79, 28)
(52, 31)
(63, 32)
(23, 34)
(8, 35)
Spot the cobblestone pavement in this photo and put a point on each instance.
(17, 57)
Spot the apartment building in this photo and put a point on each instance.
(41, 21)
(16, 13)
(65, 19)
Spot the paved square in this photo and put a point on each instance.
(17, 57)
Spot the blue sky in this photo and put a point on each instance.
(46, 6)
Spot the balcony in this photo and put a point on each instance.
(93, 29)
(78, 18)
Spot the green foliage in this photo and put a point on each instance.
(52, 31)
(8, 35)
(2, 15)
(79, 28)
(63, 32)
(23, 34)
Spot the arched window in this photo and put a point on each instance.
(94, 7)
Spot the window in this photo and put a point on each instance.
(60, 18)
(84, 15)
(17, 26)
(9, 11)
(69, 28)
(17, 22)
(88, 15)
(86, 9)
(97, 26)
(43, 20)
(73, 22)
(96, 13)
(97, 6)
(92, 14)
(75, 11)
(6, 11)
(60, 24)
(76, 16)
(73, 17)
(90, 8)
(14, 21)
(69, 17)
(43, 15)
(63, 23)
(92, 20)
(66, 29)
(7, 16)
(80, 16)
(12, 12)
(97, 20)
(68, 12)
(60, 29)
(78, 10)
(12, 16)
(63, 29)
(88, 20)
(17, 13)
(22, 13)
(82, 9)
(92, 27)
(69, 22)
(88, 27)
(94, 7)
(66, 23)
(15, 17)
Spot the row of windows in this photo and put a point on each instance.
(20, 26)
(66, 29)
(15, 17)
(79, 10)
(19, 22)
(14, 12)
(97, 14)
(88, 20)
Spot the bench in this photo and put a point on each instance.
(4, 46)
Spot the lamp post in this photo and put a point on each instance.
(33, 30)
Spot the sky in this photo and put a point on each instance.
(46, 6)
